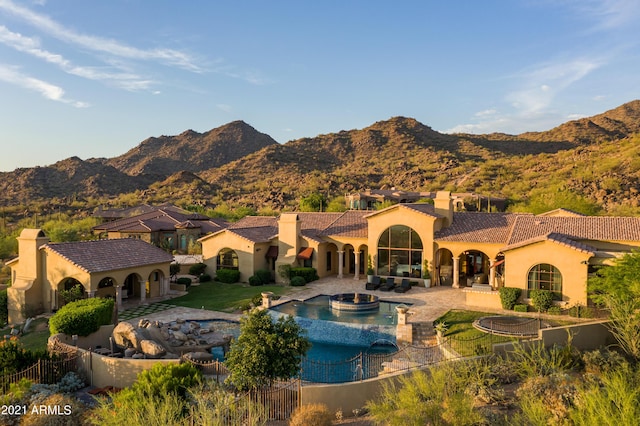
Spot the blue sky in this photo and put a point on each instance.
(95, 78)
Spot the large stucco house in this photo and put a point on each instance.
(118, 268)
(477, 252)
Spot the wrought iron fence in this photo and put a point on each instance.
(43, 371)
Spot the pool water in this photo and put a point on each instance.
(318, 308)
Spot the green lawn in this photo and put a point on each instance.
(36, 338)
(216, 296)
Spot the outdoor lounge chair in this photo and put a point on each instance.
(404, 286)
(374, 284)
(389, 285)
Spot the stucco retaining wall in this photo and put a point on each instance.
(483, 299)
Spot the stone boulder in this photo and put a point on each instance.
(152, 349)
(125, 335)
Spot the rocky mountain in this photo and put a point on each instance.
(239, 165)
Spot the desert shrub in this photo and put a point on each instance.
(82, 317)
(4, 307)
(264, 275)
(554, 310)
(298, 281)
(602, 361)
(521, 308)
(309, 274)
(541, 299)
(16, 392)
(197, 269)
(257, 300)
(71, 411)
(203, 278)
(228, 276)
(509, 296)
(546, 400)
(580, 311)
(255, 281)
(163, 379)
(311, 414)
(14, 357)
(536, 360)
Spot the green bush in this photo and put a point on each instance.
(255, 281)
(82, 317)
(4, 307)
(14, 357)
(541, 299)
(264, 275)
(554, 310)
(580, 311)
(298, 281)
(163, 379)
(257, 300)
(204, 278)
(521, 308)
(228, 276)
(185, 281)
(509, 296)
(197, 269)
(309, 274)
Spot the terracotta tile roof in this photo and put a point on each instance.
(578, 228)
(163, 219)
(313, 224)
(109, 255)
(257, 229)
(556, 238)
(478, 227)
(351, 223)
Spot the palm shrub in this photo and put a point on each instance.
(541, 299)
(509, 296)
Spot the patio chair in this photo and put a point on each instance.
(389, 285)
(404, 286)
(374, 284)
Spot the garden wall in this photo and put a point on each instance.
(483, 299)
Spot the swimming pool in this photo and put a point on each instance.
(319, 308)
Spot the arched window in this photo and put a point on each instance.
(227, 259)
(400, 252)
(105, 282)
(545, 276)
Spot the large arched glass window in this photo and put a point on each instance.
(545, 276)
(227, 259)
(400, 252)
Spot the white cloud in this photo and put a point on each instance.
(47, 90)
(99, 44)
(224, 107)
(609, 14)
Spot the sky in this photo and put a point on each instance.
(95, 78)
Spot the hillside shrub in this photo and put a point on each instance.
(228, 276)
(197, 269)
(509, 296)
(255, 281)
(309, 274)
(82, 317)
(186, 281)
(264, 275)
(541, 299)
(311, 414)
(297, 281)
(4, 307)
(203, 278)
(521, 308)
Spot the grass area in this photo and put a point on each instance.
(36, 338)
(465, 338)
(217, 296)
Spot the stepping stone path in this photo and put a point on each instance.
(144, 310)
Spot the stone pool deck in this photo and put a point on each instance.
(427, 304)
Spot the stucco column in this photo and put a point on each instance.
(143, 291)
(340, 261)
(492, 273)
(456, 272)
(356, 254)
(91, 293)
(119, 297)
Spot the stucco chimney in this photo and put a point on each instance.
(288, 235)
(443, 204)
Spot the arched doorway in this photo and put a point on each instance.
(331, 260)
(474, 268)
(443, 267)
(155, 283)
(106, 288)
(69, 290)
(131, 287)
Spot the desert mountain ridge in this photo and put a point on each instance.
(238, 164)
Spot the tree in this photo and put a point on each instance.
(313, 203)
(266, 350)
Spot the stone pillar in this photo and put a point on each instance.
(91, 293)
(143, 291)
(456, 272)
(492, 273)
(404, 329)
(340, 262)
(266, 299)
(356, 255)
(119, 297)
